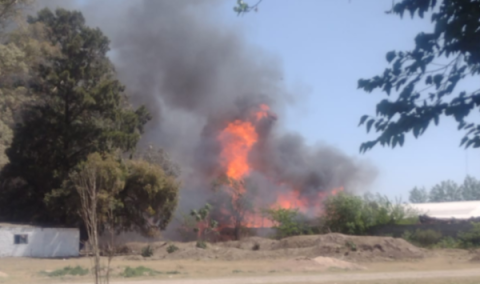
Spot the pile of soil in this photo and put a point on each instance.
(353, 248)
(476, 256)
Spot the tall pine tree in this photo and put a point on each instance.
(81, 109)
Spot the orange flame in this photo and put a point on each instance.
(290, 200)
(335, 191)
(237, 140)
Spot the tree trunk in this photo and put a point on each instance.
(97, 254)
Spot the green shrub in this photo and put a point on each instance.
(138, 272)
(424, 238)
(172, 248)
(448, 242)
(201, 244)
(68, 270)
(174, 272)
(471, 238)
(427, 238)
(408, 236)
(147, 251)
(351, 245)
(350, 214)
(287, 222)
(344, 213)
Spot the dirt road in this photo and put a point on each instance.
(323, 278)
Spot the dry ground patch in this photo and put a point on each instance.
(257, 257)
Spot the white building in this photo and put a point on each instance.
(30, 241)
(448, 210)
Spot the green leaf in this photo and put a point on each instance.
(391, 56)
(416, 131)
(369, 124)
(437, 80)
(394, 141)
(429, 80)
(362, 119)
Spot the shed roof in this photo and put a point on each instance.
(19, 225)
(445, 210)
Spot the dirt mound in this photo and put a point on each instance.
(338, 246)
(251, 243)
(476, 256)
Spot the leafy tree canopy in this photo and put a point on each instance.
(426, 78)
(131, 195)
(20, 49)
(149, 198)
(80, 109)
(418, 195)
(10, 9)
(448, 191)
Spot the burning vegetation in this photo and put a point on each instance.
(239, 201)
(214, 100)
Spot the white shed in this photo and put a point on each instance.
(30, 241)
(446, 210)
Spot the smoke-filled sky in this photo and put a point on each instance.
(305, 58)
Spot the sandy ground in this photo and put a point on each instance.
(307, 259)
(444, 267)
(455, 276)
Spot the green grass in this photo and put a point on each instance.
(68, 270)
(172, 272)
(172, 248)
(139, 271)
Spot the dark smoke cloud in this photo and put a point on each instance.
(195, 72)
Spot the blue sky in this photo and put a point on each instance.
(325, 47)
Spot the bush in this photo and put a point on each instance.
(138, 272)
(470, 239)
(427, 238)
(147, 251)
(201, 244)
(68, 270)
(351, 245)
(344, 213)
(448, 242)
(172, 248)
(350, 214)
(287, 222)
(408, 236)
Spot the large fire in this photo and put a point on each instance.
(237, 140)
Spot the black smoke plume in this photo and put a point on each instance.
(195, 73)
